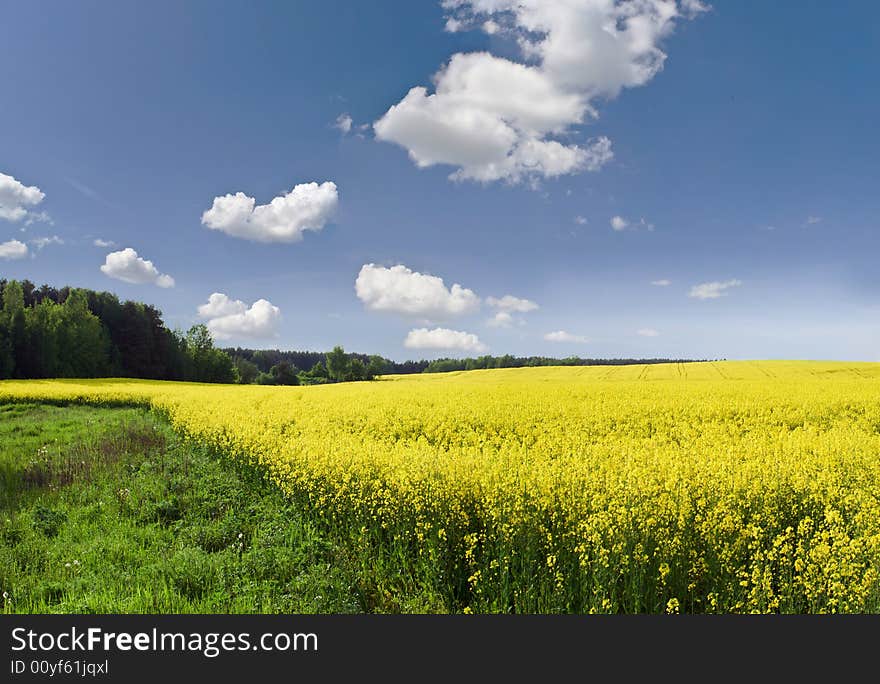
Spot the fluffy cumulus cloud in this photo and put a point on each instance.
(220, 305)
(13, 249)
(510, 303)
(445, 339)
(127, 266)
(309, 206)
(16, 198)
(647, 332)
(498, 119)
(502, 319)
(401, 290)
(231, 318)
(98, 242)
(713, 290)
(507, 306)
(562, 336)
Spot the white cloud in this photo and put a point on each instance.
(562, 336)
(464, 128)
(647, 332)
(596, 46)
(228, 318)
(38, 217)
(512, 304)
(220, 305)
(580, 220)
(443, 338)
(507, 306)
(98, 242)
(343, 123)
(15, 198)
(813, 220)
(663, 282)
(307, 206)
(453, 25)
(13, 249)
(713, 290)
(401, 290)
(619, 223)
(41, 242)
(502, 319)
(127, 266)
(691, 8)
(499, 119)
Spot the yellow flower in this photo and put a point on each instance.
(561, 488)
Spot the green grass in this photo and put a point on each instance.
(108, 511)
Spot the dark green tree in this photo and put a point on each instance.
(81, 337)
(319, 370)
(284, 374)
(375, 367)
(337, 364)
(356, 371)
(205, 363)
(316, 376)
(7, 358)
(16, 332)
(7, 350)
(43, 354)
(247, 371)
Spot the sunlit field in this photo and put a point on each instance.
(711, 487)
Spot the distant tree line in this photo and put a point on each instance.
(263, 360)
(78, 333)
(275, 367)
(508, 361)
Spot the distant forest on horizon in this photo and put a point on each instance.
(306, 359)
(76, 332)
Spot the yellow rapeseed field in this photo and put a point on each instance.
(711, 487)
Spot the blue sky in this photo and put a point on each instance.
(744, 172)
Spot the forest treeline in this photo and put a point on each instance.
(264, 359)
(79, 333)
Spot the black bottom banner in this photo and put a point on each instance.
(135, 648)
